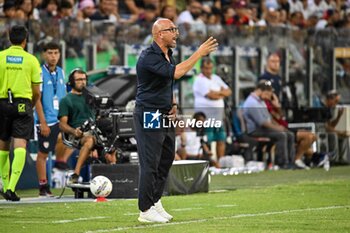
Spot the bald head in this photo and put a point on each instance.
(165, 33)
(160, 24)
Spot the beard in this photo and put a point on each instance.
(79, 89)
(195, 15)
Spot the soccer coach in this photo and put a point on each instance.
(156, 71)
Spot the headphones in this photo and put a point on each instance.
(71, 81)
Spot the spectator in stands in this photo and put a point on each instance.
(206, 10)
(49, 10)
(74, 39)
(146, 20)
(311, 22)
(338, 140)
(191, 17)
(331, 18)
(307, 9)
(107, 10)
(331, 4)
(129, 10)
(260, 124)
(169, 12)
(36, 6)
(157, 3)
(65, 11)
(228, 14)
(252, 13)
(272, 73)
(295, 6)
(52, 91)
(269, 4)
(241, 17)
(209, 92)
(24, 10)
(296, 20)
(86, 9)
(214, 26)
(284, 6)
(320, 6)
(9, 9)
(270, 18)
(283, 17)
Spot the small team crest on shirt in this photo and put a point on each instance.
(151, 120)
(46, 145)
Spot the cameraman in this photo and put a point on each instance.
(73, 112)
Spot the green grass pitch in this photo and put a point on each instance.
(279, 201)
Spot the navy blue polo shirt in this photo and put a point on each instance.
(276, 81)
(155, 78)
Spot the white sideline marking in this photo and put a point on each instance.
(78, 219)
(183, 209)
(226, 206)
(177, 210)
(28, 222)
(217, 218)
(219, 191)
(130, 214)
(187, 209)
(63, 221)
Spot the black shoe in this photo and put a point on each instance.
(73, 179)
(44, 191)
(3, 194)
(11, 196)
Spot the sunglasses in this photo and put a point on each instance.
(172, 30)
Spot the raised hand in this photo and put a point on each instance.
(208, 46)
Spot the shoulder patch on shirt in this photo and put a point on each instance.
(14, 59)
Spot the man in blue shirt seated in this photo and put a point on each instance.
(259, 123)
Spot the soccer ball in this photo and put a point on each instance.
(101, 186)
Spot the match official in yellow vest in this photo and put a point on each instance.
(20, 79)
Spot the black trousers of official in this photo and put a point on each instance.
(156, 151)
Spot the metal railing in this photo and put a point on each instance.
(308, 57)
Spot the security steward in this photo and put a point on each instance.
(20, 79)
